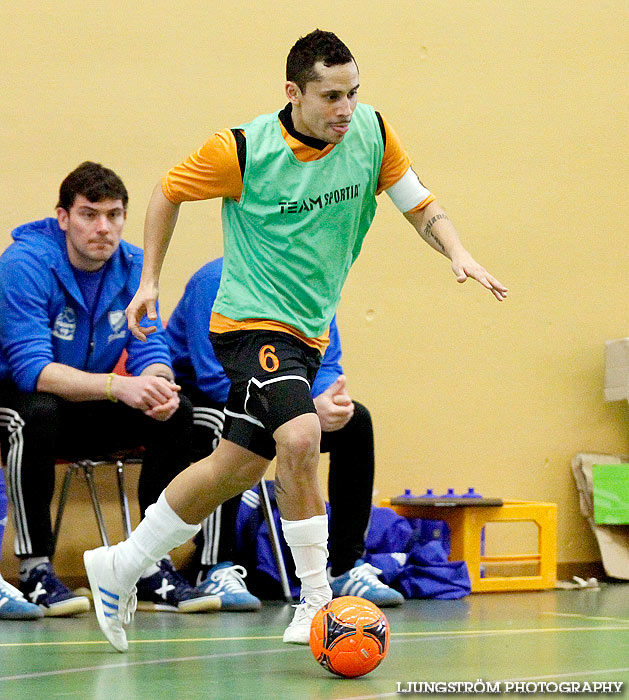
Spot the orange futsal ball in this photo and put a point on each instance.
(349, 636)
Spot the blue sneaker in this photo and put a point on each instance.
(226, 581)
(363, 581)
(43, 588)
(13, 605)
(167, 590)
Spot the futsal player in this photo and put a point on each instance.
(299, 193)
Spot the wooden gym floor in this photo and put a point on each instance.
(555, 636)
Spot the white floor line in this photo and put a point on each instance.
(151, 662)
(507, 632)
(587, 617)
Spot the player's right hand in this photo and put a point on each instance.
(144, 303)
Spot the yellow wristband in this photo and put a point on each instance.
(108, 395)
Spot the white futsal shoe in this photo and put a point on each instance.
(298, 632)
(113, 604)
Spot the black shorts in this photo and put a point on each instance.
(271, 376)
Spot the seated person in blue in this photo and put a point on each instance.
(347, 434)
(64, 285)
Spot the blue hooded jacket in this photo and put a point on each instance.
(194, 361)
(44, 319)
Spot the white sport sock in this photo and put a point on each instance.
(28, 564)
(160, 531)
(154, 568)
(308, 542)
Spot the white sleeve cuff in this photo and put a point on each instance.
(408, 191)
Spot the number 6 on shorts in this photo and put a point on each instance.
(268, 360)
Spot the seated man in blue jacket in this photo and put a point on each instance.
(347, 434)
(64, 285)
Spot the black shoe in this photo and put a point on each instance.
(43, 588)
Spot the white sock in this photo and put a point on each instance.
(154, 568)
(308, 542)
(160, 531)
(28, 564)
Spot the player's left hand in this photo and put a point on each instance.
(465, 266)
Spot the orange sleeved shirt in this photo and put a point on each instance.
(213, 170)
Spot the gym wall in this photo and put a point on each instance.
(514, 115)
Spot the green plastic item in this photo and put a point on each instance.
(611, 494)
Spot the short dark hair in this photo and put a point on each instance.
(310, 49)
(95, 182)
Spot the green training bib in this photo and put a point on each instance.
(292, 238)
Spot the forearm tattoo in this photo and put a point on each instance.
(430, 235)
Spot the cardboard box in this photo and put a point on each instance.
(613, 540)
